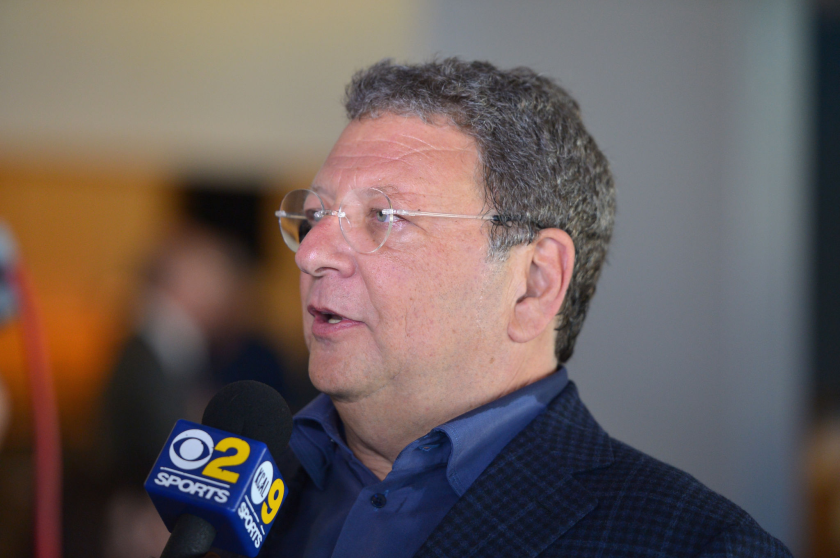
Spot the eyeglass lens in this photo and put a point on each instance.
(362, 218)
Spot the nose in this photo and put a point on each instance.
(324, 250)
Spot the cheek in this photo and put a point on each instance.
(425, 296)
(403, 295)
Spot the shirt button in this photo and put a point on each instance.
(378, 500)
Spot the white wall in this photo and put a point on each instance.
(253, 85)
(694, 347)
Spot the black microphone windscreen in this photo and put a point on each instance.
(253, 410)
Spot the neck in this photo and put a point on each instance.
(380, 426)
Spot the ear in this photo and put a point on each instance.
(547, 267)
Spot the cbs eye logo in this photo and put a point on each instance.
(191, 449)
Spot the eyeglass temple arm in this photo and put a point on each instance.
(323, 213)
(406, 213)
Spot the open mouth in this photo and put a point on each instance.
(327, 316)
(333, 318)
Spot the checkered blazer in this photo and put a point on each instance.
(563, 487)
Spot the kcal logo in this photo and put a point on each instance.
(193, 448)
(261, 483)
(265, 486)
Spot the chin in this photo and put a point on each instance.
(339, 378)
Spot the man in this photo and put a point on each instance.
(449, 248)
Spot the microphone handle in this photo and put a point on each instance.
(191, 538)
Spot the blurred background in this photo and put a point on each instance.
(145, 146)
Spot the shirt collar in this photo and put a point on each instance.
(476, 437)
(317, 429)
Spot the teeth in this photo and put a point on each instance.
(334, 320)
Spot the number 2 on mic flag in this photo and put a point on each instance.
(230, 481)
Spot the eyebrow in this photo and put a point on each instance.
(391, 190)
(395, 193)
(318, 189)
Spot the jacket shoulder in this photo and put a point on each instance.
(649, 508)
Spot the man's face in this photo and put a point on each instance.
(420, 317)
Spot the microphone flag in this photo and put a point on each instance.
(230, 481)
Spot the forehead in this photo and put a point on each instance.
(402, 154)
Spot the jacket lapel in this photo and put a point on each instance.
(527, 497)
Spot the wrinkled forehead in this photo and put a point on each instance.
(402, 155)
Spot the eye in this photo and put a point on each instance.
(379, 214)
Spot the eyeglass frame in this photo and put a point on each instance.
(324, 212)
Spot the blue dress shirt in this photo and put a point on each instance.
(347, 512)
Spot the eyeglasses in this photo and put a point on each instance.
(365, 217)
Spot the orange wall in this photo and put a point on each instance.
(82, 233)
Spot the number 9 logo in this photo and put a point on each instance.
(272, 504)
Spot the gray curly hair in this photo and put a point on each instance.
(541, 168)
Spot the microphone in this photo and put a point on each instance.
(216, 483)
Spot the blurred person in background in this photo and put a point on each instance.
(194, 306)
(192, 337)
